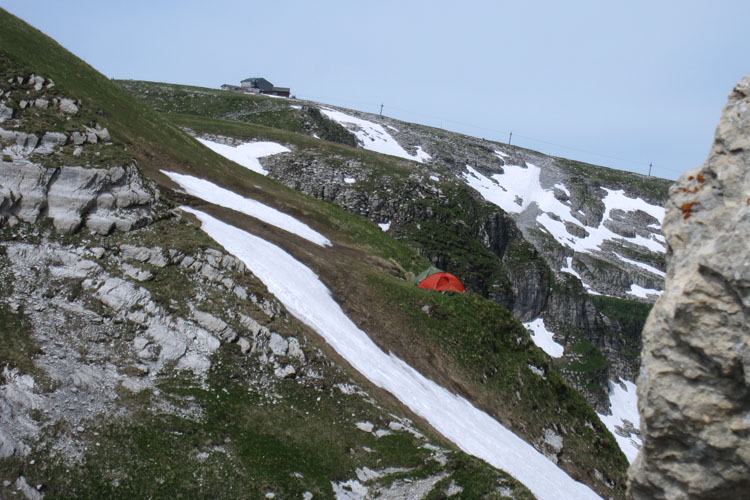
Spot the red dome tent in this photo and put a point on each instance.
(442, 282)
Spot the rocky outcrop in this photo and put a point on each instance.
(694, 388)
(78, 313)
(99, 198)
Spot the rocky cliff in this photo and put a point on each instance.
(694, 387)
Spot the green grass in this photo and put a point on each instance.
(264, 445)
(493, 351)
(253, 447)
(252, 109)
(132, 125)
(17, 348)
(449, 236)
(476, 483)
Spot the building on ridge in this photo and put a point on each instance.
(258, 85)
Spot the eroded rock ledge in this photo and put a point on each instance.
(99, 198)
(694, 387)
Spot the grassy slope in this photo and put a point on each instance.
(448, 235)
(475, 388)
(458, 337)
(158, 144)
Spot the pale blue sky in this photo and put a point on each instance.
(616, 83)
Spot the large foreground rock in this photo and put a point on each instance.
(694, 388)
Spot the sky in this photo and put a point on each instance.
(621, 84)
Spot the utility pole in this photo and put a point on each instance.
(381, 110)
(510, 137)
(649, 169)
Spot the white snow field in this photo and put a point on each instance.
(217, 195)
(374, 137)
(247, 154)
(472, 430)
(624, 406)
(518, 188)
(543, 338)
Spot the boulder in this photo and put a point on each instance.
(68, 106)
(78, 138)
(37, 81)
(50, 141)
(694, 387)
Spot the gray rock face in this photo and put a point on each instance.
(694, 388)
(100, 199)
(6, 113)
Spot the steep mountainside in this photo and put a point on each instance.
(569, 248)
(147, 352)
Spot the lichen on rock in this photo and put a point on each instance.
(694, 387)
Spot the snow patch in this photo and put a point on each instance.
(569, 269)
(247, 154)
(421, 155)
(373, 136)
(624, 418)
(618, 199)
(350, 180)
(472, 430)
(543, 338)
(647, 267)
(562, 188)
(217, 195)
(518, 188)
(643, 293)
(385, 226)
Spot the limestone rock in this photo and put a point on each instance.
(50, 141)
(68, 106)
(37, 81)
(75, 196)
(20, 141)
(278, 344)
(78, 138)
(694, 387)
(27, 490)
(154, 256)
(6, 113)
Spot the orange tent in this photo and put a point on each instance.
(442, 282)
